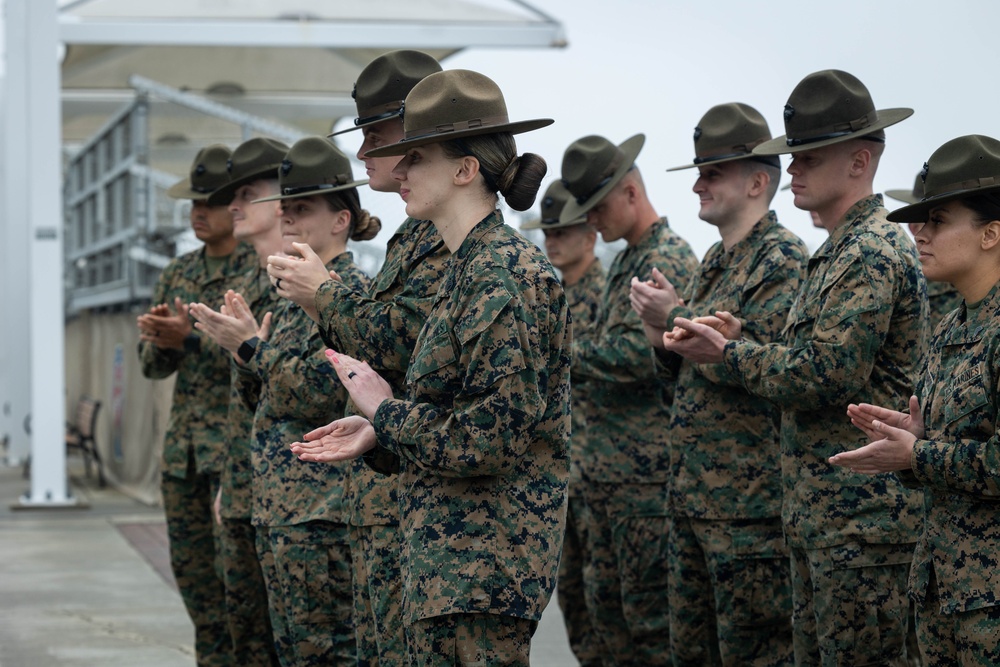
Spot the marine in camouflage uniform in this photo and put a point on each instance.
(856, 333)
(381, 328)
(297, 507)
(730, 587)
(625, 468)
(570, 247)
(481, 439)
(193, 447)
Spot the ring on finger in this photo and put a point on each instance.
(350, 376)
(277, 283)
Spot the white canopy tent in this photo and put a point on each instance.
(294, 61)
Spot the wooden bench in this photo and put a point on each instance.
(80, 434)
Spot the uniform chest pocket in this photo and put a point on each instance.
(437, 353)
(964, 399)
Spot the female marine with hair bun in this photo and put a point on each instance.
(480, 440)
(302, 534)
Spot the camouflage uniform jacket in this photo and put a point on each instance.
(856, 332)
(381, 328)
(198, 414)
(627, 428)
(584, 298)
(724, 443)
(482, 435)
(942, 298)
(957, 462)
(237, 476)
(299, 391)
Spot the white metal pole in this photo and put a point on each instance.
(40, 158)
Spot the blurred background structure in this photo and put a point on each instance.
(105, 105)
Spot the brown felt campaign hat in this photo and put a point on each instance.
(313, 166)
(592, 166)
(385, 82)
(909, 196)
(208, 173)
(829, 107)
(729, 132)
(555, 198)
(962, 167)
(453, 104)
(252, 160)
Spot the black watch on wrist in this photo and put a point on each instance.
(247, 349)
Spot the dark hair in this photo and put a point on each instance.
(516, 177)
(364, 226)
(985, 207)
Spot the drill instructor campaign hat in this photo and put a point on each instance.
(252, 160)
(909, 196)
(313, 166)
(829, 107)
(730, 132)
(453, 104)
(208, 173)
(385, 82)
(592, 166)
(962, 167)
(556, 196)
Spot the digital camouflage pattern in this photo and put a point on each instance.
(725, 491)
(724, 442)
(381, 328)
(955, 464)
(482, 434)
(857, 332)
(299, 391)
(627, 429)
(246, 592)
(237, 476)
(942, 298)
(198, 415)
(194, 443)
(301, 529)
(471, 639)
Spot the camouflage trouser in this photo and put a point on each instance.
(246, 596)
(849, 604)
(470, 640)
(964, 639)
(308, 575)
(625, 527)
(378, 595)
(730, 593)
(583, 638)
(187, 504)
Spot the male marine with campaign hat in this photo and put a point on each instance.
(725, 486)
(857, 332)
(625, 468)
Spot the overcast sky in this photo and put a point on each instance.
(655, 66)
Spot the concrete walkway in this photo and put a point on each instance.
(90, 587)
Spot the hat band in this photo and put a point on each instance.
(838, 130)
(319, 187)
(971, 184)
(446, 128)
(375, 117)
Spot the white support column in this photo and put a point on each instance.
(32, 40)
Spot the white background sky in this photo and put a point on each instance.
(655, 66)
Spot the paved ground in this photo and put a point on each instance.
(92, 587)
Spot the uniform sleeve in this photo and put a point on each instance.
(490, 421)
(157, 363)
(835, 361)
(968, 467)
(619, 353)
(764, 304)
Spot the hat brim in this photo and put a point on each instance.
(748, 156)
(631, 148)
(225, 194)
(918, 211)
(401, 147)
(886, 117)
(352, 128)
(905, 196)
(538, 224)
(310, 193)
(182, 190)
